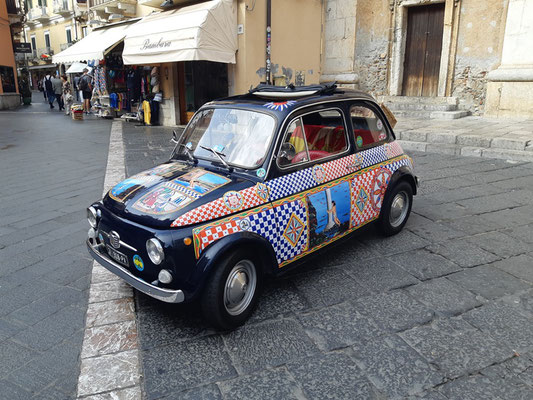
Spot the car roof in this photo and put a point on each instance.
(283, 100)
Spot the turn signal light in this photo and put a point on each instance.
(187, 241)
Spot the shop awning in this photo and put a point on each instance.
(205, 31)
(77, 67)
(94, 46)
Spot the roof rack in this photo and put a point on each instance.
(291, 91)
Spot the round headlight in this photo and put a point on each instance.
(155, 251)
(91, 216)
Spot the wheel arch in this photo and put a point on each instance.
(403, 173)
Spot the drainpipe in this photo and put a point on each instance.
(268, 42)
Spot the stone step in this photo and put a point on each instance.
(421, 107)
(468, 151)
(423, 114)
(424, 100)
(449, 114)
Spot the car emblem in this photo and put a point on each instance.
(114, 239)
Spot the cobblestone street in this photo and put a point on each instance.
(443, 310)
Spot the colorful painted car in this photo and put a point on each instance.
(255, 184)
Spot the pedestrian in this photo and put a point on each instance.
(49, 89)
(76, 87)
(86, 87)
(40, 86)
(67, 94)
(58, 91)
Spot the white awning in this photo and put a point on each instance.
(77, 67)
(94, 46)
(205, 31)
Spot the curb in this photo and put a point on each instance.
(110, 367)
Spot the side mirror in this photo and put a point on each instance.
(174, 137)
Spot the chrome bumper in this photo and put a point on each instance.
(166, 295)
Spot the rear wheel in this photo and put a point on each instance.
(396, 209)
(232, 291)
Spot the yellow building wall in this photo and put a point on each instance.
(7, 58)
(58, 35)
(296, 43)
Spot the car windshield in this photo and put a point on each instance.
(240, 137)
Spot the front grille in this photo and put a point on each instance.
(114, 239)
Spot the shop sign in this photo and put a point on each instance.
(22, 47)
(147, 45)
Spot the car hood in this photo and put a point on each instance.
(158, 196)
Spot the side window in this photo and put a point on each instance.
(368, 128)
(312, 137)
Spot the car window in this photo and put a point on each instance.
(368, 128)
(312, 137)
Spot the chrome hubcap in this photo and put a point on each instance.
(399, 208)
(240, 287)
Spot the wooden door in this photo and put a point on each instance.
(422, 50)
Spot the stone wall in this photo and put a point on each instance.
(9, 101)
(478, 50)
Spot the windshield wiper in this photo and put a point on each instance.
(219, 155)
(188, 151)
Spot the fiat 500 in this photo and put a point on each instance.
(255, 183)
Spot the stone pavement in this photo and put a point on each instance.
(442, 310)
(51, 169)
(508, 139)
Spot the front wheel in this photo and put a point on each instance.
(232, 291)
(396, 209)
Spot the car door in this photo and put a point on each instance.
(311, 197)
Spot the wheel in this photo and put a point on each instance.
(396, 209)
(232, 290)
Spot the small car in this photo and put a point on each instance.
(255, 184)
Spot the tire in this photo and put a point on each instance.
(231, 293)
(396, 209)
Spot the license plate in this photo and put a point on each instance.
(117, 255)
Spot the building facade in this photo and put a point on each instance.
(434, 48)
(9, 15)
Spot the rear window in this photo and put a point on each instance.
(368, 129)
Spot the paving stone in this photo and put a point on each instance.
(463, 253)
(100, 274)
(333, 376)
(488, 281)
(109, 372)
(112, 338)
(500, 244)
(132, 393)
(425, 265)
(456, 347)
(109, 312)
(350, 252)
(209, 392)
(393, 311)
(518, 368)
(279, 298)
(445, 211)
(338, 326)
(327, 286)
(380, 274)
(505, 324)
(267, 385)
(444, 297)
(111, 290)
(472, 225)
(395, 368)
(403, 241)
(491, 203)
(477, 387)
(511, 218)
(268, 344)
(523, 233)
(11, 391)
(9, 328)
(179, 366)
(13, 356)
(436, 232)
(519, 266)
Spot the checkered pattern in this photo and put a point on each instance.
(338, 168)
(264, 223)
(291, 184)
(282, 247)
(393, 150)
(373, 156)
(213, 233)
(358, 183)
(183, 189)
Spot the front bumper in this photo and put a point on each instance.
(166, 295)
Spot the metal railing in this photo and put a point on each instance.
(64, 46)
(13, 6)
(37, 12)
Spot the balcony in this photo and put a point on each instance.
(62, 8)
(45, 54)
(13, 7)
(114, 6)
(38, 14)
(157, 3)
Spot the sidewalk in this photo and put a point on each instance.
(508, 139)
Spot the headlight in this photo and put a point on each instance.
(91, 216)
(155, 251)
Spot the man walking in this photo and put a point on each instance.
(49, 89)
(58, 91)
(85, 85)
